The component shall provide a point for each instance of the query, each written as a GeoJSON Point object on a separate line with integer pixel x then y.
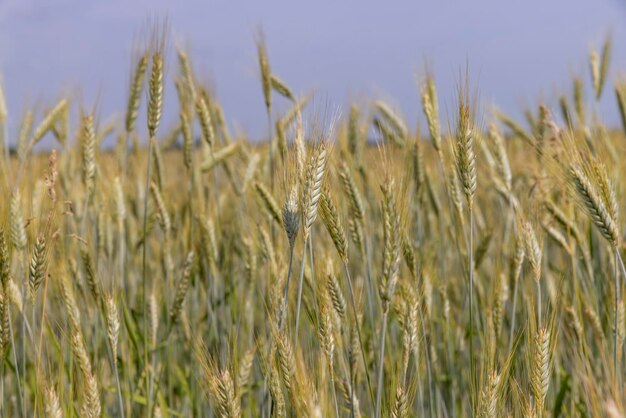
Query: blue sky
{"type": "Point", "coordinates": [517, 51]}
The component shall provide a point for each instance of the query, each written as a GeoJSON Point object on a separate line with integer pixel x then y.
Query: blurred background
{"type": "Point", "coordinates": [516, 52]}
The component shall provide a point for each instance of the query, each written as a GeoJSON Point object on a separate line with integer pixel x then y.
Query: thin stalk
{"type": "Point", "coordinates": [317, 315]}
{"type": "Point", "coordinates": [282, 316]}
{"type": "Point", "coordinates": [332, 383]}
{"type": "Point", "coordinates": [119, 390]}
{"type": "Point", "coordinates": [300, 290]}
{"type": "Point", "coordinates": [471, 300]}
{"type": "Point", "coordinates": [270, 138]}
{"type": "Point", "coordinates": [617, 300]}
{"type": "Point", "coordinates": [515, 279]}
{"type": "Point", "coordinates": [35, 351]}
{"type": "Point", "coordinates": [431, 398]}
{"type": "Point", "coordinates": [144, 272]}
{"type": "Point", "coordinates": [283, 309]}
{"type": "Point", "coordinates": [352, 382]}
{"type": "Point", "coordinates": [121, 256]}
{"type": "Point", "coordinates": [23, 341]}
{"type": "Point", "coordinates": [381, 357]}
{"type": "Point", "coordinates": [17, 370]}
{"type": "Point", "coordinates": [539, 303]}
{"type": "Point", "coordinates": [370, 285]}
{"type": "Point", "coordinates": [114, 367]}
{"type": "Point", "coordinates": [2, 389]}
{"type": "Point", "coordinates": [358, 331]}
{"type": "Point", "coordinates": [621, 262]}
{"type": "Point", "coordinates": [513, 311]}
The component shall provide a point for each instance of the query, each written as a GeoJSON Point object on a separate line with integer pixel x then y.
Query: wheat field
{"type": "Point", "coordinates": [348, 267]}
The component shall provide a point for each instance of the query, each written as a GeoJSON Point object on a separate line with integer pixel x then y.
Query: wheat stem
{"type": "Point", "coordinates": [285, 304]}
{"type": "Point", "coordinates": [358, 330]}
{"type": "Point", "coordinates": [381, 358]}
{"type": "Point", "coordinates": [300, 282]}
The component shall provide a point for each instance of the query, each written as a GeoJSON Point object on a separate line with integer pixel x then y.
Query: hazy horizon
{"type": "Point", "coordinates": [516, 53]}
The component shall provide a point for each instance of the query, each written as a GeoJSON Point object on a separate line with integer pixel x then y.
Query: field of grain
{"type": "Point", "coordinates": [472, 269]}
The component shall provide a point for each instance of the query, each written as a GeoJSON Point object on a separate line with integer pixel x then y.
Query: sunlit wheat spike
{"type": "Point", "coordinates": [187, 131]}
{"type": "Point", "coordinates": [90, 274]}
{"type": "Point", "coordinates": [18, 231]}
{"type": "Point", "coordinates": [113, 324]}
{"type": "Point", "coordinates": [291, 216]}
{"type": "Point", "coordinates": [330, 217]}
{"type": "Point", "coordinates": [354, 133]}
{"type": "Point", "coordinates": [80, 352]}
{"type": "Point", "coordinates": [38, 264]}
{"type": "Point", "coordinates": [431, 111]}
{"type": "Point", "coordinates": [204, 116]}
{"type": "Point", "coordinates": [92, 407]}
{"type": "Point", "coordinates": [417, 165]}
{"type": "Point", "coordinates": [48, 121]}
{"type": "Point", "coordinates": [408, 315]}
{"type": "Point", "coordinates": [266, 74]}
{"type": "Point", "coordinates": [604, 65]}
{"type": "Point", "coordinates": [579, 101]}
{"type": "Point", "coordinates": [541, 367]}
{"type": "Point", "coordinates": [357, 209]}
{"type": "Point", "coordinates": [22, 140]}
{"type": "Point", "coordinates": [502, 159]}
{"type": "Point", "coordinates": [182, 287]}
{"type": "Point", "coordinates": [533, 250]}
{"type": "Point", "coordinates": [277, 393]}
{"type": "Point", "coordinates": [336, 294]}
{"type": "Point", "coordinates": [134, 93]}
{"type": "Point", "coordinates": [326, 335]}
{"type": "Point", "coordinates": [391, 243]}
{"type": "Point", "coordinates": [155, 102]}
{"type": "Point", "coordinates": [488, 404]}
{"type": "Point", "coordinates": [52, 406]}
{"type": "Point", "coordinates": [186, 72]}
{"type": "Point", "coordinates": [401, 404]}
{"type": "Point", "coordinates": [408, 252]}
{"type": "Point", "coordinates": [312, 189]}
{"type": "Point", "coordinates": [69, 301]}
{"type": "Point", "coordinates": [88, 153]}
{"type": "Point", "coordinates": [594, 205]}
{"type": "Point", "coordinates": [594, 67]}
{"type": "Point", "coordinates": [281, 138]}
{"type": "Point", "coordinates": [163, 215]}
{"type": "Point", "coordinates": [606, 189]}
{"type": "Point", "coordinates": [599, 67]}
{"type": "Point", "coordinates": [287, 361]}
{"type": "Point", "coordinates": [245, 368]}
{"type": "Point", "coordinates": [281, 88]}
{"type": "Point", "coordinates": [61, 128]}
{"type": "Point", "coordinates": [464, 151]}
